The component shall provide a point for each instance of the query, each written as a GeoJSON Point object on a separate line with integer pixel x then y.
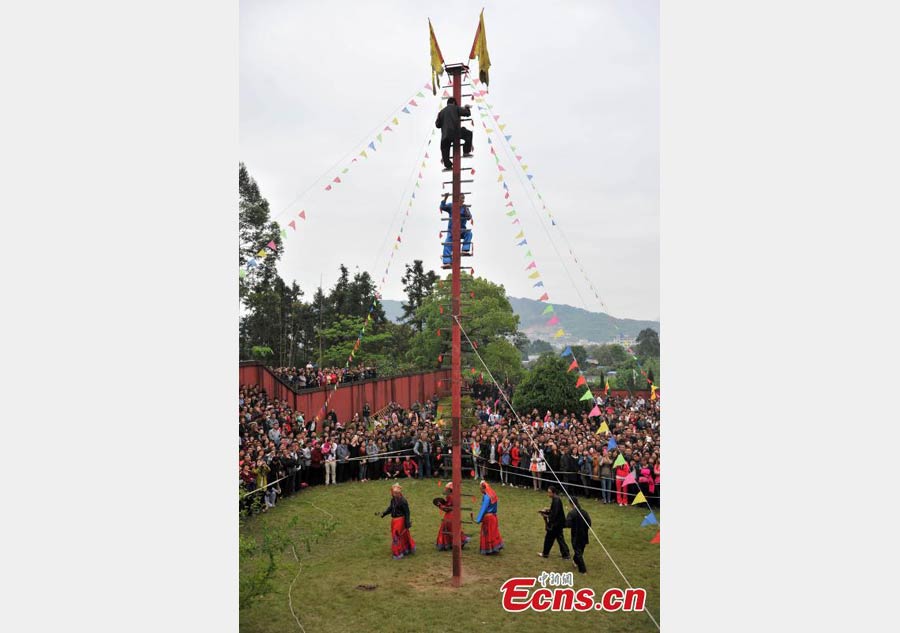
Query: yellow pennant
{"type": "Point", "coordinates": [639, 499]}
{"type": "Point", "coordinates": [559, 333]}
{"type": "Point", "coordinates": [534, 275]}
{"type": "Point", "coordinates": [604, 428]}
{"type": "Point", "coordinates": [500, 178]}
{"type": "Point", "coordinates": [520, 235]}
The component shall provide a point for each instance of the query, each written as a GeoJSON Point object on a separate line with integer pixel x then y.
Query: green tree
{"type": "Point", "coordinates": [255, 231]}
{"type": "Point", "coordinates": [504, 360]}
{"type": "Point", "coordinates": [487, 318]}
{"type": "Point", "coordinates": [647, 344]}
{"type": "Point", "coordinates": [539, 346]}
{"type": "Point", "coordinates": [609, 355]}
{"type": "Point", "coordinates": [547, 385]}
{"type": "Point", "coordinates": [418, 285]}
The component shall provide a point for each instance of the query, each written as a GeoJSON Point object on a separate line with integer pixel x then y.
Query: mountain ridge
{"type": "Point", "coordinates": [580, 326]}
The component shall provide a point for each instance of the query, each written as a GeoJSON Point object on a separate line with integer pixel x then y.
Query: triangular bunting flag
{"type": "Point", "coordinates": [650, 519]}
{"type": "Point", "coordinates": [604, 427]}
{"type": "Point", "coordinates": [534, 275]}
{"type": "Point", "coordinates": [559, 333]}
{"type": "Point", "coordinates": [293, 224]}
{"type": "Point", "coordinates": [405, 109]}
{"type": "Point", "coordinates": [413, 103]}
{"type": "Point", "coordinates": [553, 321]}
{"type": "Point", "coordinates": [272, 245]}
{"type": "Point", "coordinates": [548, 310]}
{"type": "Point", "coordinates": [574, 365]}
{"type": "Point", "coordinates": [372, 146]}
{"type": "Point", "coordinates": [639, 498]}
{"type": "Point", "coordinates": [327, 187]}
{"type": "Point", "coordinates": [581, 381]}
{"type": "Point", "coordinates": [612, 443]}
{"type": "Point", "coordinates": [595, 412]}
{"type": "Point", "coordinates": [531, 265]}
{"type": "Point", "coordinates": [395, 121]}
{"type": "Point", "coordinates": [546, 297]}
{"type": "Point", "coordinates": [302, 214]}
{"type": "Point", "coordinates": [619, 460]}
{"type": "Point", "coordinates": [655, 539]}
{"type": "Point", "coordinates": [629, 479]}
{"type": "Point", "coordinates": [587, 395]}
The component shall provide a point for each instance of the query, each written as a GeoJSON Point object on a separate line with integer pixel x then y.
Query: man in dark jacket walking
{"type": "Point", "coordinates": [579, 521]}
{"type": "Point", "coordinates": [448, 120]}
{"type": "Point", "coordinates": [555, 522]}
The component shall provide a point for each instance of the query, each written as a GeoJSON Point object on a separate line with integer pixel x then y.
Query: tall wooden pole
{"type": "Point", "coordinates": [456, 366]}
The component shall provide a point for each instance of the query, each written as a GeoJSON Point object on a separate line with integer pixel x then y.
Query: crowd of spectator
{"type": "Point", "coordinates": [313, 377]}
{"type": "Point", "coordinates": [281, 451]}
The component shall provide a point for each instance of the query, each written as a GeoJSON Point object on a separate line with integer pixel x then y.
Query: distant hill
{"type": "Point", "coordinates": [581, 326]}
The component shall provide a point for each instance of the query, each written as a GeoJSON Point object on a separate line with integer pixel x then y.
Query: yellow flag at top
{"type": "Point", "coordinates": [479, 50]}
{"type": "Point", "coordinates": [437, 60]}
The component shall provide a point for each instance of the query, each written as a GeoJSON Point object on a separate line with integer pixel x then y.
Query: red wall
{"type": "Point", "coordinates": [350, 397]}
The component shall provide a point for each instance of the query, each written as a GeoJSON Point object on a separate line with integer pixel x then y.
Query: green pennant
{"type": "Point", "coordinates": [528, 254]}
{"type": "Point", "coordinates": [587, 395]}
{"type": "Point", "coordinates": [242, 273]}
{"type": "Point", "coordinates": [619, 460]}
{"type": "Point", "coordinates": [548, 309]}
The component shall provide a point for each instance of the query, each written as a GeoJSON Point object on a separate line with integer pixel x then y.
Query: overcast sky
{"type": "Point", "coordinates": [576, 83]}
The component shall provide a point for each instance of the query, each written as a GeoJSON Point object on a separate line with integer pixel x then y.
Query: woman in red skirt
{"type": "Point", "coordinates": [402, 542]}
{"type": "Point", "coordinates": [491, 541]}
{"type": "Point", "coordinates": [445, 532]}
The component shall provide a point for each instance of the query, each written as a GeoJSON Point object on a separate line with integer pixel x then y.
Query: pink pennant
{"type": "Point", "coordinates": [506, 195]}
{"type": "Point", "coordinates": [518, 157]}
{"type": "Point", "coordinates": [412, 102]}
{"type": "Point", "coordinates": [629, 479]}
{"type": "Point", "coordinates": [473, 172]}
{"type": "Point", "coordinates": [531, 265]}
{"type": "Point", "coordinates": [509, 204]}
{"type": "Point", "coordinates": [336, 179]}
{"type": "Point", "coordinates": [516, 221]}
{"type": "Point", "coordinates": [354, 160]}
{"type": "Point", "coordinates": [387, 128]}
{"type": "Point", "coordinates": [428, 86]}
{"type": "Point", "coordinates": [501, 167]}
{"type": "Point", "coordinates": [272, 245]}
{"type": "Point", "coordinates": [553, 321]}
{"type": "Point", "coordinates": [328, 188]}
{"type": "Point", "coordinates": [302, 214]}
{"type": "Point", "coordinates": [544, 297]}
{"type": "Point", "coordinates": [493, 152]}
{"type": "Point", "coordinates": [293, 224]}
{"type": "Point", "coordinates": [594, 412]}
{"type": "Point", "coordinates": [496, 117]}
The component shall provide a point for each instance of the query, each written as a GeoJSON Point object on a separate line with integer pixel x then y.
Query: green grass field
{"type": "Point", "coordinates": [414, 594]}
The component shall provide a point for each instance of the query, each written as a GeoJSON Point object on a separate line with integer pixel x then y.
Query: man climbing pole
{"type": "Point", "coordinates": [448, 120]}
{"type": "Point", "coordinates": [464, 234]}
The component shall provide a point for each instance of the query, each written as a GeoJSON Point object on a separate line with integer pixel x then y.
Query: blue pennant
{"type": "Point", "coordinates": [612, 443]}
{"type": "Point", "coordinates": [372, 146]}
{"type": "Point", "coordinates": [405, 109]}
{"type": "Point", "coordinates": [539, 284]}
{"type": "Point", "coordinates": [567, 351]}
{"type": "Point", "coordinates": [522, 243]}
{"type": "Point", "coordinates": [650, 519]}
{"type": "Point", "coordinates": [508, 136]}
